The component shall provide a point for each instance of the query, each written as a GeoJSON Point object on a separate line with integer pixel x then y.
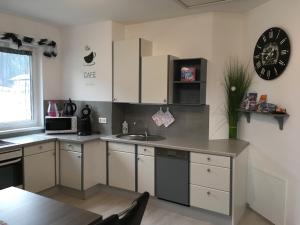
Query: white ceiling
{"type": "Point", "coordinates": [74, 12]}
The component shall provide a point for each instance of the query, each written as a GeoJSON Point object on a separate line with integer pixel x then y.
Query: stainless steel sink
{"type": "Point", "coordinates": [140, 137]}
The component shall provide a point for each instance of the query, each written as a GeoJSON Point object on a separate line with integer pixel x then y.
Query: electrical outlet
{"type": "Point", "coordinates": [102, 120]}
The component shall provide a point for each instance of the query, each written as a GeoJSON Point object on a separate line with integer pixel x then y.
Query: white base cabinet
{"type": "Point", "coordinates": [70, 169]}
{"type": "Point", "coordinates": [82, 166]}
{"type": "Point", "coordinates": [210, 182]}
{"type": "Point", "coordinates": [121, 166]}
{"type": "Point", "coordinates": [210, 199]}
{"type": "Point", "coordinates": [39, 167]}
{"type": "Point", "coordinates": [146, 174]}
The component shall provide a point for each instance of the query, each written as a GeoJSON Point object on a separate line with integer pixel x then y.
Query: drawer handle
{"type": "Point", "coordinates": [208, 193]}
{"type": "Point", "coordinates": [145, 149]}
{"type": "Point", "coordinates": [79, 156]}
{"type": "Point", "coordinates": [208, 159]}
{"type": "Point", "coordinates": [208, 170]}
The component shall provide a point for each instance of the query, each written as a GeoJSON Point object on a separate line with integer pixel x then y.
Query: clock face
{"type": "Point", "coordinates": [272, 53]}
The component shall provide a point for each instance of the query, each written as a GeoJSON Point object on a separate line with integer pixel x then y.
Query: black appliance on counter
{"type": "Point", "coordinates": [172, 175]}
{"type": "Point", "coordinates": [84, 122]}
{"type": "Point", "coordinates": [69, 108]}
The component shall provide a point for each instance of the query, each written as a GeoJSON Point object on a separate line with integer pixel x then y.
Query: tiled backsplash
{"type": "Point", "coordinates": [190, 121]}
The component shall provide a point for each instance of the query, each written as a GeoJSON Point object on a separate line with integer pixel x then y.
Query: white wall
{"type": "Point", "coordinates": [98, 37]}
{"type": "Point", "coordinates": [214, 36]}
{"type": "Point", "coordinates": [51, 67]}
{"type": "Point", "coordinates": [273, 151]}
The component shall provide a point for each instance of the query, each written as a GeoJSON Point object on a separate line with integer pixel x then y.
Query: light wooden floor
{"type": "Point", "coordinates": [158, 212]}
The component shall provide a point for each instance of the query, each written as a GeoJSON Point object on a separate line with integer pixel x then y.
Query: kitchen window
{"type": "Point", "coordinates": [19, 89]}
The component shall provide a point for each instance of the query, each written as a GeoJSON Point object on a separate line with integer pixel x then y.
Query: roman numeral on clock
{"type": "Point", "coordinates": [282, 41]}
{"type": "Point", "coordinates": [268, 74]}
{"type": "Point", "coordinates": [258, 64]}
{"type": "Point", "coordinates": [271, 34]}
{"type": "Point", "coordinates": [281, 63]}
{"type": "Point", "coordinates": [275, 70]}
{"type": "Point", "coordinates": [284, 52]}
{"type": "Point", "coordinates": [264, 38]}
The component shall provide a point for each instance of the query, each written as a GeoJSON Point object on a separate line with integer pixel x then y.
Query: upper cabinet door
{"type": "Point", "coordinates": [155, 79]}
{"type": "Point", "coordinates": [126, 60]}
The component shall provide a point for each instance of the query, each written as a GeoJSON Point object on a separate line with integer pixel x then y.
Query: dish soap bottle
{"type": "Point", "coordinates": [125, 127]}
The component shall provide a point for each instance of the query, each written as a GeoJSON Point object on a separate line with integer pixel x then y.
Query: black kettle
{"type": "Point", "coordinates": [70, 108]}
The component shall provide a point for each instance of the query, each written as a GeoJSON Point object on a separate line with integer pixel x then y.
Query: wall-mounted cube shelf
{"type": "Point", "coordinates": [279, 117]}
{"type": "Point", "coordinates": [189, 92]}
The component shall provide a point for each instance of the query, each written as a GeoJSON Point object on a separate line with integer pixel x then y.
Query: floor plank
{"type": "Point", "coordinates": [158, 212]}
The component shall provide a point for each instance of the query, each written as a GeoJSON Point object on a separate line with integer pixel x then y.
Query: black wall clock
{"type": "Point", "coordinates": [272, 53]}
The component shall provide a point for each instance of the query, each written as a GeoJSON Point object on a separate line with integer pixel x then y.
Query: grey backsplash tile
{"type": "Point", "coordinates": [191, 121]}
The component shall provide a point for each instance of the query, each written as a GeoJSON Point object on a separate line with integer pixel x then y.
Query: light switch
{"type": "Point", "coordinates": [102, 120]}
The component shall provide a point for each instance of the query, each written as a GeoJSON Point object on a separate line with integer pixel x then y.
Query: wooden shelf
{"type": "Point", "coordinates": [279, 117]}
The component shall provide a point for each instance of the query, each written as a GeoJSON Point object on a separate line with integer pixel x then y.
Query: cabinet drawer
{"type": "Point", "coordinates": [208, 159]}
{"type": "Point", "coordinates": [70, 147]}
{"type": "Point", "coordinates": [210, 199]}
{"type": "Point", "coordinates": [210, 176]}
{"type": "Point", "coordinates": [121, 147]}
{"type": "Point", "coordinates": [145, 150]}
{"type": "Point", "coordinates": [35, 149]}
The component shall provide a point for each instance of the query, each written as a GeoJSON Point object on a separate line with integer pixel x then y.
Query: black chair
{"type": "Point", "coordinates": [134, 214]}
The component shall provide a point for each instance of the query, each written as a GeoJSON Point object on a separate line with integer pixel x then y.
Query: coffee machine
{"type": "Point", "coordinates": [84, 122]}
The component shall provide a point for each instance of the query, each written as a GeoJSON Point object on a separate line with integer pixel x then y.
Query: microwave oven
{"type": "Point", "coordinates": [60, 125]}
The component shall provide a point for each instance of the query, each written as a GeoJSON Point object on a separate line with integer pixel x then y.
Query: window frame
{"type": "Point", "coordinates": [36, 96]}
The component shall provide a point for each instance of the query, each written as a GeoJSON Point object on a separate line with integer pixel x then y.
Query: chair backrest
{"type": "Point", "coordinates": [134, 214]}
{"type": "Point", "coordinates": [111, 220]}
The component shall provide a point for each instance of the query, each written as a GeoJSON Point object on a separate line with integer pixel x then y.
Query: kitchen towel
{"type": "Point", "coordinates": [168, 118]}
{"type": "Point", "coordinates": [158, 117]}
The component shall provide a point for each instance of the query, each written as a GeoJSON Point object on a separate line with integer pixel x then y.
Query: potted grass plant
{"type": "Point", "coordinates": [237, 81]}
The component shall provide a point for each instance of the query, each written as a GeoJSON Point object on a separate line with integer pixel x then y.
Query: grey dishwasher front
{"type": "Point", "coordinates": [172, 175]}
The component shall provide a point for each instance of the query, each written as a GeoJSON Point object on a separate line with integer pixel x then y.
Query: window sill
{"type": "Point", "coordinates": [21, 131]}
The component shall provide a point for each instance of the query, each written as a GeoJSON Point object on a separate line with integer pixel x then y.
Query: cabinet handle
{"type": "Point", "coordinates": [208, 159]}
{"type": "Point", "coordinates": [114, 99]}
{"type": "Point", "coordinates": [79, 156]}
{"type": "Point", "coordinates": [145, 149]}
{"type": "Point", "coordinates": [138, 158]}
{"type": "Point", "coordinates": [165, 100]}
{"type": "Point", "coordinates": [208, 193]}
{"type": "Point", "coordinates": [208, 170]}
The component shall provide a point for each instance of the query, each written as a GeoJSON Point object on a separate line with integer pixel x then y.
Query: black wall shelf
{"type": "Point", "coordinates": [189, 92]}
{"type": "Point", "coordinates": [279, 117]}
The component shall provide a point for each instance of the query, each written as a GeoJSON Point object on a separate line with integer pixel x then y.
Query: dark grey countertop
{"type": "Point", "coordinates": [26, 140]}
{"type": "Point", "coordinates": [223, 147]}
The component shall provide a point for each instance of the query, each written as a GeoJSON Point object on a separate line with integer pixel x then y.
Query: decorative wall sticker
{"type": "Point", "coordinates": [89, 62]}
{"type": "Point", "coordinates": [89, 59]}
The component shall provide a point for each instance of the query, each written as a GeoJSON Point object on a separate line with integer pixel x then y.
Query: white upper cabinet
{"type": "Point", "coordinates": [156, 75]}
{"type": "Point", "coordinates": [127, 68]}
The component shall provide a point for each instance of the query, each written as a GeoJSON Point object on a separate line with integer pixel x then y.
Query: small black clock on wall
{"type": "Point", "coordinates": [272, 53]}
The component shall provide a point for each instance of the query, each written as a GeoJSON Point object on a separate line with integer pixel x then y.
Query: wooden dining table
{"type": "Point", "coordinates": [19, 207]}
